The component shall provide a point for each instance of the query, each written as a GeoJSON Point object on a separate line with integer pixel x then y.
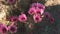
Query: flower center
{"type": "Point", "coordinates": [23, 18]}
{"type": "Point", "coordinates": [4, 30]}
{"type": "Point", "coordinates": [37, 18]}
{"type": "Point", "coordinates": [12, 29]}
{"type": "Point", "coordinates": [38, 12]}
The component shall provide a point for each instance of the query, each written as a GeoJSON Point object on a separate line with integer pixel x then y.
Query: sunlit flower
{"type": "Point", "coordinates": [37, 18]}
{"type": "Point", "coordinates": [39, 5]}
{"type": "Point", "coordinates": [22, 18]}
{"type": "Point", "coordinates": [31, 11]}
{"type": "Point", "coordinates": [12, 29]}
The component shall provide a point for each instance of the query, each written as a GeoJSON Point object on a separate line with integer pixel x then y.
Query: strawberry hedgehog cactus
{"type": "Point", "coordinates": [10, 23]}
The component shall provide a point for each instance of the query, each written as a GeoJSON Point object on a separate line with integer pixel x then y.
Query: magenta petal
{"type": "Point", "coordinates": [31, 11]}
{"type": "Point", "coordinates": [12, 29]}
{"type": "Point", "coordinates": [39, 5]}
{"type": "Point", "coordinates": [3, 29]}
{"type": "Point", "coordinates": [34, 5]}
{"type": "Point", "coordinates": [37, 18]}
{"type": "Point", "coordinates": [22, 18]}
{"type": "Point", "coordinates": [1, 25]}
{"type": "Point", "coordinates": [39, 11]}
{"type": "Point", "coordinates": [47, 15]}
{"type": "Point", "coordinates": [13, 19]}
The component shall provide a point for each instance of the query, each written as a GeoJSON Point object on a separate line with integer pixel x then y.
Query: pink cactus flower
{"type": "Point", "coordinates": [39, 11]}
{"type": "Point", "coordinates": [12, 28]}
{"type": "Point", "coordinates": [22, 18]}
{"type": "Point", "coordinates": [37, 18]}
{"type": "Point", "coordinates": [39, 5]}
{"type": "Point", "coordinates": [34, 5]}
{"type": "Point", "coordinates": [49, 17]}
{"type": "Point", "coordinates": [14, 19]}
{"type": "Point", "coordinates": [31, 11]}
{"type": "Point", "coordinates": [3, 29]}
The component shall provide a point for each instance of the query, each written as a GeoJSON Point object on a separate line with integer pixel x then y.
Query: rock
{"type": "Point", "coordinates": [52, 2]}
